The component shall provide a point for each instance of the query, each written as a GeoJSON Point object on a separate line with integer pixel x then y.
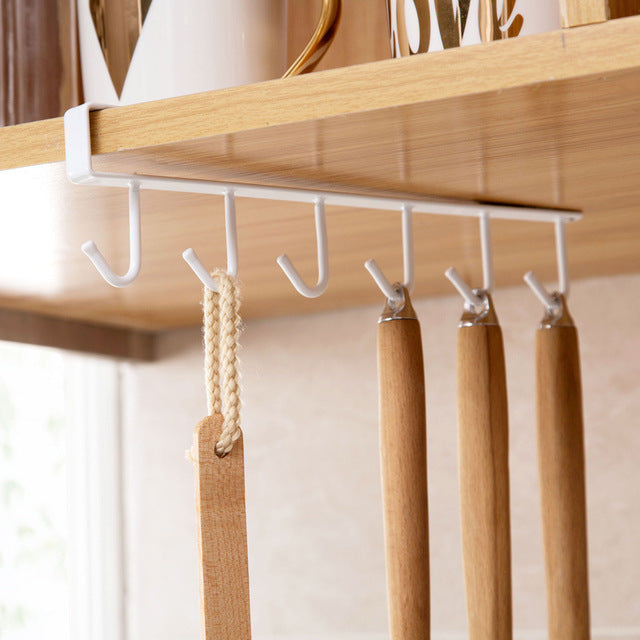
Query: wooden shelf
{"type": "Point", "coordinates": [551, 120]}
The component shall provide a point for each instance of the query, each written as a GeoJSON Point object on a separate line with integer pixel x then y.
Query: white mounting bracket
{"type": "Point", "coordinates": [80, 171]}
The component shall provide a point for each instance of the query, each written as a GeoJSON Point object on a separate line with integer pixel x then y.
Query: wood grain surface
{"type": "Point", "coordinates": [458, 72]}
{"type": "Point", "coordinates": [222, 536]}
{"type": "Point", "coordinates": [483, 443]}
{"type": "Point", "coordinates": [404, 477]}
{"type": "Point", "coordinates": [527, 120]}
{"type": "Point", "coordinates": [562, 481]}
{"type": "Point", "coordinates": [623, 8]}
{"type": "Point", "coordinates": [44, 331]}
{"type": "Point", "coordinates": [576, 13]}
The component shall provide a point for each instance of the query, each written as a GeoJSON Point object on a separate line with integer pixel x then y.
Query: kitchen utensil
{"type": "Point", "coordinates": [562, 475]}
{"type": "Point", "coordinates": [484, 474]}
{"type": "Point", "coordinates": [222, 535]}
{"type": "Point", "coordinates": [219, 465]}
{"type": "Point", "coordinates": [404, 470]}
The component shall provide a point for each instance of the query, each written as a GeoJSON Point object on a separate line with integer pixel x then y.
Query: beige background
{"type": "Point", "coordinates": [313, 495]}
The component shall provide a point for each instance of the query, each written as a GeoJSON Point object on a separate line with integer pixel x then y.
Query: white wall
{"type": "Point", "coordinates": [313, 495]}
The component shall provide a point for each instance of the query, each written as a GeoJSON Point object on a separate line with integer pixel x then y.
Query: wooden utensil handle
{"type": "Point", "coordinates": [404, 477]}
{"type": "Point", "coordinates": [222, 536]}
{"type": "Point", "coordinates": [562, 481]}
{"type": "Point", "coordinates": [484, 481]}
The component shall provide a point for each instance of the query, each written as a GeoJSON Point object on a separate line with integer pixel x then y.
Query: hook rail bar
{"type": "Point", "coordinates": [80, 171]}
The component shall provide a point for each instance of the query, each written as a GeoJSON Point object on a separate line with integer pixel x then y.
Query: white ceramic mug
{"type": "Point", "coordinates": [138, 50]}
{"type": "Point", "coordinates": [418, 26]}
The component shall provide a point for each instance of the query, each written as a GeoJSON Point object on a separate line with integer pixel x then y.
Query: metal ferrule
{"type": "Point", "coordinates": [558, 316]}
{"type": "Point", "coordinates": [402, 310]}
{"type": "Point", "coordinates": [485, 317]}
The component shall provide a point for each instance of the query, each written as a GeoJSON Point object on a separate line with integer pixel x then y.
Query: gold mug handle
{"type": "Point", "coordinates": [320, 41]}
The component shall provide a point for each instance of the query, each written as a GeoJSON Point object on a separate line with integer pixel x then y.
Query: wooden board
{"type": "Point", "coordinates": [44, 331]}
{"type": "Point", "coordinates": [550, 119]}
{"type": "Point", "coordinates": [576, 13]}
{"type": "Point", "coordinates": [222, 536]}
{"type": "Point", "coordinates": [460, 72]}
{"type": "Point", "coordinates": [623, 8]}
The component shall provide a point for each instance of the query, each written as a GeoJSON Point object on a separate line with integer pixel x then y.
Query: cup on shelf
{"type": "Point", "coordinates": [418, 26]}
{"type": "Point", "coordinates": [137, 50]}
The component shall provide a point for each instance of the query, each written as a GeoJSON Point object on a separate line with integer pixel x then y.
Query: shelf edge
{"type": "Point", "coordinates": [537, 59]}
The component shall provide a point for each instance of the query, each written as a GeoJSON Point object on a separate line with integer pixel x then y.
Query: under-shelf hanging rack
{"type": "Point", "coordinates": [80, 171]}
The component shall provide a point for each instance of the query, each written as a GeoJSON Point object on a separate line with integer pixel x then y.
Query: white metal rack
{"type": "Point", "coordinates": [80, 171]}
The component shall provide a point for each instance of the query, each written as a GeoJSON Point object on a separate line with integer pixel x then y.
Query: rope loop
{"type": "Point", "coordinates": [222, 327]}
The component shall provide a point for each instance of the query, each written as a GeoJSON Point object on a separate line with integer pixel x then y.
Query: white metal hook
{"type": "Point", "coordinates": [487, 252]}
{"type": "Point", "coordinates": [474, 301]}
{"type": "Point", "coordinates": [323, 258]}
{"type": "Point", "coordinates": [470, 296]}
{"type": "Point", "coordinates": [99, 262]}
{"type": "Point", "coordinates": [549, 301]}
{"type": "Point", "coordinates": [231, 233]}
{"type": "Point", "coordinates": [372, 267]}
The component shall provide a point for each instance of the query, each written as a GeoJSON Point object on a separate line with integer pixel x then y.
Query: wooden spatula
{"type": "Point", "coordinates": [484, 475]}
{"type": "Point", "coordinates": [404, 471]}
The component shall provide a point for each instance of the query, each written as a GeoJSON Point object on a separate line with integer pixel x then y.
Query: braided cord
{"type": "Point", "coordinates": [221, 341]}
